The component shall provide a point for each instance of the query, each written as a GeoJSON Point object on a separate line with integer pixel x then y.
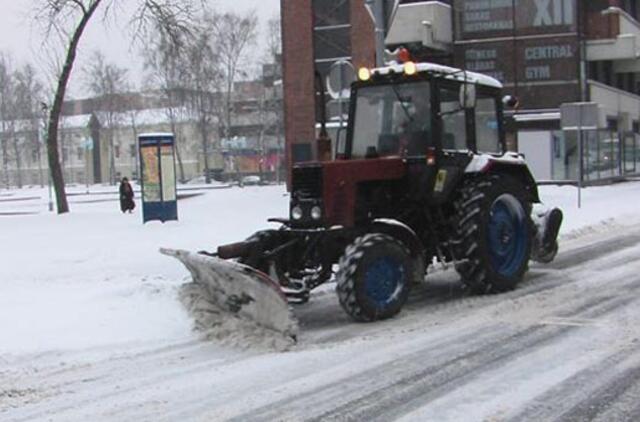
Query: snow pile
{"type": "Point", "coordinates": [600, 206]}
{"type": "Point", "coordinates": [229, 329]}
{"type": "Point", "coordinates": [236, 303]}
{"type": "Point", "coordinates": [93, 281]}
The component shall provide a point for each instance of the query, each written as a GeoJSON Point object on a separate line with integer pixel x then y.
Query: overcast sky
{"type": "Point", "coordinates": [23, 40]}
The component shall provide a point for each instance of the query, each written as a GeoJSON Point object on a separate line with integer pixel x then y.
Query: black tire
{"type": "Point", "coordinates": [495, 229]}
{"type": "Point", "coordinates": [374, 277]}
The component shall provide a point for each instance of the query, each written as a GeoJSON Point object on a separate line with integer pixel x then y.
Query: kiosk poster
{"type": "Point", "coordinates": [168, 173]}
{"type": "Point", "coordinates": [151, 174]}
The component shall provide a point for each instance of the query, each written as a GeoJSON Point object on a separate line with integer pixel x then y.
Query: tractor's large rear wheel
{"type": "Point", "coordinates": [374, 277]}
{"type": "Point", "coordinates": [495, 230]}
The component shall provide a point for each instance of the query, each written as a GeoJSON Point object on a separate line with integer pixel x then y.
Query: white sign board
{"type": "Point", "coordinates": [581, 116]}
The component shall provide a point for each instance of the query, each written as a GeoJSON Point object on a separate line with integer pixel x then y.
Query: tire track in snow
{"type": "Point", "coordinates": [593, 393]}
{"type": "Point", "coordinates": [414, 382]}
{"type": "Point", "coordinates": [431, 297]}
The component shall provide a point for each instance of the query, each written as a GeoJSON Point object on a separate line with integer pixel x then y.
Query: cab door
{"type": "Point", "coordinates": [455, 138]}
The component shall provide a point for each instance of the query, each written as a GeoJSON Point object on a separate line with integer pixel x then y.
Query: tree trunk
{"type": "Point", "coordinates": [178, 155]}
{"type": "Point", "coordinates": [39, 156]}
{"type": "Point", "coordinates": [205, 149]}
{"type": "Point", "coordinates": [112, 158]}
{"type": "Point", "coordinates": [5, 162]}
{"type": "Point", "coordinates": [174, 130]}
{"type": "Point", "coordinates": [54, 117]}
{"type": "Point", "coordinates": [16, 151]}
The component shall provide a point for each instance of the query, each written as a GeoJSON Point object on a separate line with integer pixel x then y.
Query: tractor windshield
{"type": "Point", "coordinates": [392, 119]}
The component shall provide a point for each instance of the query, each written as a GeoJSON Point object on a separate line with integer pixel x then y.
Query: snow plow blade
{"type": "Point", "coordinates": [240, 291]}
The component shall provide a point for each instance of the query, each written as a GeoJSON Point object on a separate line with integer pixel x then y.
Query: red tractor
{"type": "Point", "coordinates": [424, 175]}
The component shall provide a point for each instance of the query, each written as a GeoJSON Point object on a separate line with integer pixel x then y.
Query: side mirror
{"type": "Point", "coordinates": [510, 101]}
{"type": "Point", "coordinates": [467, 95]}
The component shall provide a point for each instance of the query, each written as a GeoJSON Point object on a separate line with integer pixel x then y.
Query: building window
{"type": "Point", "coordinates": [331, 13]}
{"type": "Point", "coordinates": [331, 33]}
{"type": "Point", "coordinates": [331, 41]}
{"type": "Point", "coordinates": [116, 151]}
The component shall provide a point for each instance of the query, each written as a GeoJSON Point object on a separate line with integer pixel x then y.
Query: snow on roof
{"type": "Point", "coordinates": [147, 117]}
{"type": "Point", "coordinates": [77, 121]}
{"type": "Point", "coordinates": [449, 72]}
{"type": "Point", "coordinates": [534, 117]}
{"type": "Point", "coordinates": [156, 135]}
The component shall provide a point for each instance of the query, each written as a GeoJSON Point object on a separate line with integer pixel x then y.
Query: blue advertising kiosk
{"type": "Point", "coordinates": [158, 177]}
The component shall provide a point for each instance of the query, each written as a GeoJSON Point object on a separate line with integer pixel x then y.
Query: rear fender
{"type": "Point", "coordinates": [511, 164]}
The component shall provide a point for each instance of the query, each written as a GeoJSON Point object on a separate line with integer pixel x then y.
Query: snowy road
{"type": "Point", "coordinates": [564, 346]}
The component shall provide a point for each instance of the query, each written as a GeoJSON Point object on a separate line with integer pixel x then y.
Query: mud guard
{"type": "Point", "coordinates": [240, 290]}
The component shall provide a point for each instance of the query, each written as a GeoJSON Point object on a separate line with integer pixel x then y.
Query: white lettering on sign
{"type": "Point", "coordinates": [487, 4]}
{"type": "Point", "coordinates": [553, 12]}
{"type": "Point", "coordinates": [487, 15]}
{"type": "Point", "coordinates": [476, 54]}
{"type": "Point", "coordinates": [548, 52]}
{"type": "Point", "coordinates": [477, 16]}
{"type": "Point", "coordinates": [483, 60]}
{"type": "Point", "coordinates": [480, 66]}
{"type": "Point", "coordinates": [538, 72]}
{"type": "Point", "coordinates": [488, 26]}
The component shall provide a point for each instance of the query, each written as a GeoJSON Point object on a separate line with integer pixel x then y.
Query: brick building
{"type": "Point", "coordinates": [546, 52]}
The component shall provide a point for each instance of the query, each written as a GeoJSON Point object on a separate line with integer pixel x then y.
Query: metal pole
{"type": "Point", "coordinates": [377, 6]}
{"type": "Point", "coordinates": [580, 156]}
{"type": "Point", "coordinates": [86, 164]}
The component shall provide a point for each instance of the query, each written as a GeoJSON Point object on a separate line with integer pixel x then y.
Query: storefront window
{"type": "Point", "coordinates": [565, 155]}
{"type": "Point", "coordinates": [629, 154]}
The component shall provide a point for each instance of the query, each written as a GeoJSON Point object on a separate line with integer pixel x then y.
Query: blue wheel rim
{"type": "Point", "coordinates": [384, 280]}
{"type": "Point", "coordinates": [507, 235]}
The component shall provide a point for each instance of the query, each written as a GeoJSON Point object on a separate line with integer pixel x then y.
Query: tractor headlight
{"type": "Point", "coordinates": [316, 213]}
{"type": "Point", "coordinates": [296, 213]}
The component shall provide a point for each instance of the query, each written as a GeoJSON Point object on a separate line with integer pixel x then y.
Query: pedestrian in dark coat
{"type": "Point", "coordinates": [126, 196]}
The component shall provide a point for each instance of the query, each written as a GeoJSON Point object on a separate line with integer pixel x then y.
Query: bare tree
{"type": "Point", "coordinates": [107, 82]}
{"type": "Point", "coordinates": [203, 80]}
{"type": "Point", "coordinates": [68, 19]}
{"type": "Point", "coordinates": [271, 112]}
{"type": "Point", "coordinates": [28, 100]}
{"type": "Point", "coordinates": [6, 113]}
{"type": "Point", "coordinates": [274, 39]}
{"type": "Point", "coordinates": [166, 64]}
{"type": "Point", "coordinates": [232, 35]}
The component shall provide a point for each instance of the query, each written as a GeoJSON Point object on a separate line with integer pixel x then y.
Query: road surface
{"type": "Point", "coordinates": [564, 346]}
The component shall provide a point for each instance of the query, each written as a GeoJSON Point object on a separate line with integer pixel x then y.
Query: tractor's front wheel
{"type": "Point", "coordinates": [495, 230]}
{"type": "Point", "coordinates": [374, 277]}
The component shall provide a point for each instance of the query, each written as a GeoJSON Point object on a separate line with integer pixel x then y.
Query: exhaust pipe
{"type": "Point", "coordinates": [236, 250]}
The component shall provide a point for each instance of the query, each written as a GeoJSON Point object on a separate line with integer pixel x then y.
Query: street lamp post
{"type": "Point", "coordinates": [45, 113]}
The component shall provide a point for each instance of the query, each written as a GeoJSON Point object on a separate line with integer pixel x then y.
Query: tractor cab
{"type": "Point", "coordinates": [413, 131]}
{"type": "Point", "coordinates": [423, 110]}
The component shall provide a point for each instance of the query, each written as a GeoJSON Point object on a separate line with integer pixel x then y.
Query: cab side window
{"type": "Point", "coordinates": [454, 127]}
{"type": "Point", "coordinates": [487, 134]}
